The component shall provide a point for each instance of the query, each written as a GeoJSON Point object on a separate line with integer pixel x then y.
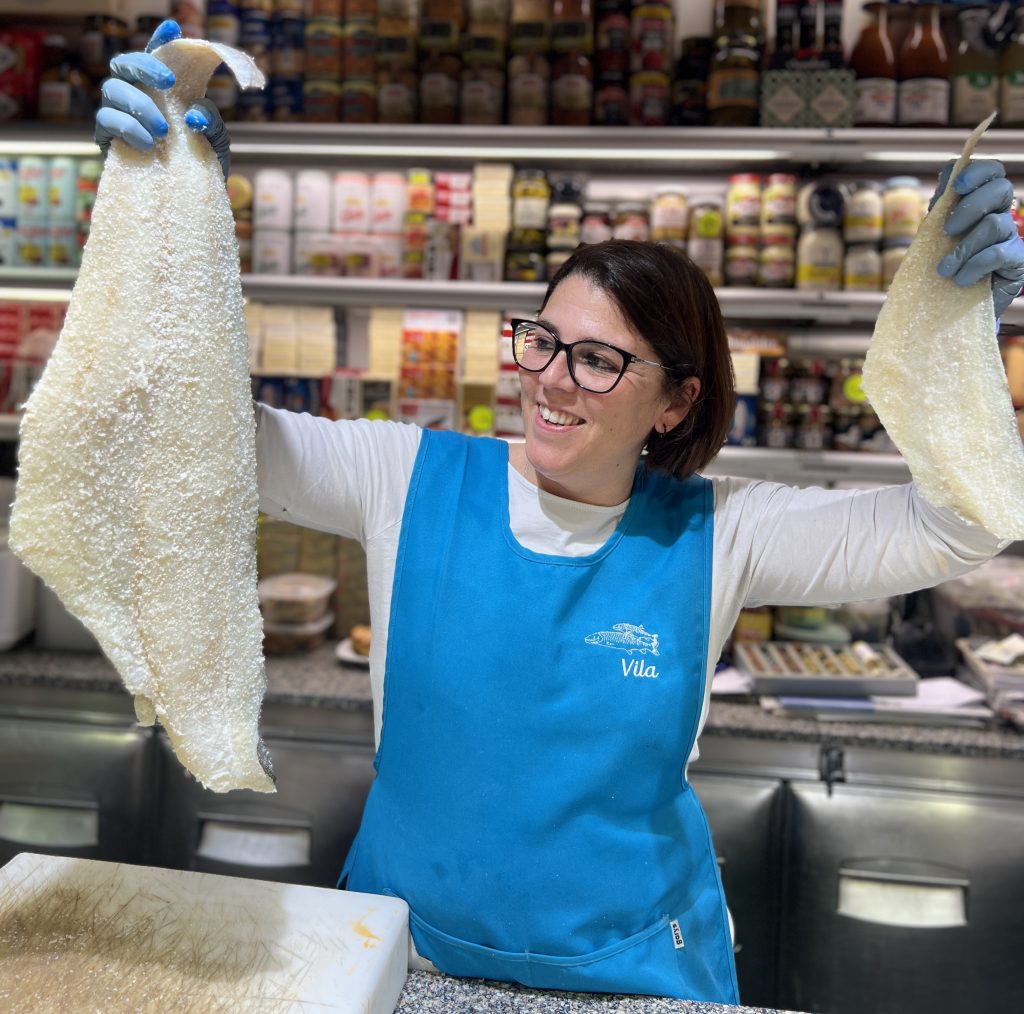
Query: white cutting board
{"type": "Point", "coordinates": [77, 934]}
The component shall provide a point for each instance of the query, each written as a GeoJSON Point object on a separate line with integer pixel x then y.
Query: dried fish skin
{"type": "Point", "coordinates": [934, 375]}
{"type": "Point", "coordinates": [136, 498]}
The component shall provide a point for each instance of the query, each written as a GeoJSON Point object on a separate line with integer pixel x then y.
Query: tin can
{"type": "Point", "coordinates": [321, 101]}
{"type": "Point", "coordinates": [33, 189]}
{"type": "Point", "coordinates": [62, 245]}
{"type": "Point", "coordinates": [323, 50]}
{"type": "Point", "coordinates": [61, 189]}
{"type": "Point", "coordinates": [286, 98]}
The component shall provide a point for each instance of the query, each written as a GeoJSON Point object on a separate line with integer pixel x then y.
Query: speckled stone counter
{"type": "Point", "coordinates": [317, 680]}
{"type": "Point", "coordinates": [426, 993]}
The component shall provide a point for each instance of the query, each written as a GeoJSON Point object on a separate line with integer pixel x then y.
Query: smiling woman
{"type": "Point", "coordinates": [667, 388]}
{"type": "Point", "coordinates": [560, 605]}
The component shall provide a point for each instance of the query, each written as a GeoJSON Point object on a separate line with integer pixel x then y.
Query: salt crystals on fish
{"type": "Point", "coordinates": [136, 498]}
{"type": "Point", "coordinates": [958, 433]}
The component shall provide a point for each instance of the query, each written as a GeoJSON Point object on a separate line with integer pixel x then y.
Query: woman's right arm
{"type": "Point", "coordinates": [348, 477]}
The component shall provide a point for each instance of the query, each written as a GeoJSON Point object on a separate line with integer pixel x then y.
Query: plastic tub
{"type": "Point", "coordinates": [282, 637]}
{"type": "Point", "coordinates": [295, 598]}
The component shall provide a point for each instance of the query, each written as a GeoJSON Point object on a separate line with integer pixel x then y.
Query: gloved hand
{"type": "Point", "coordinates": [989, 240]}
{"type": "Point", "coordinates": [129, 113]}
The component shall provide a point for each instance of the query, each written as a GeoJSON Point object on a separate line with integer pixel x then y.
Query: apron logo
{"type": "Point", "coordinates": [629, 638]}
{"type": "Point", "coordinates": [677, 934]}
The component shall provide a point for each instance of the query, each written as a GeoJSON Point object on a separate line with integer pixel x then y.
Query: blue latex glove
{"type": "Point", "coordinates": [129, 113]}
{"type": "Point", "coordinates": [989, 242]}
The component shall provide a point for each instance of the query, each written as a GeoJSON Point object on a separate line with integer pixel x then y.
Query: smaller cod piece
{"type": "Point", "coordinates": [939, 339]}
{"type": "Point", "coordinates": [136, 498]}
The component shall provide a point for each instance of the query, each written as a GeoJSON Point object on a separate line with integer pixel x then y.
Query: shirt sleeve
{"type": "Point", "coordinates": [791, 546]}
{"type": "Point", "coordinates": [348, 477]}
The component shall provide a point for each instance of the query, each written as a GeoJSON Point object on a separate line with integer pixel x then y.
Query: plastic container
{"type": "Point", "coordinates": [284, 637]}
{"type": "Point", "coordinates": [295, 598]}
{"type": "Point", "coordinates": [17, 598]}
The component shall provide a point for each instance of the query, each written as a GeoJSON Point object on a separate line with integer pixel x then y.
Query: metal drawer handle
{"type": "Point", "coordinates": [254, 843]}
{"type": "Point", "coordinates": [49, 825]}
{"type": "Point", "coordinates": [897, 892]}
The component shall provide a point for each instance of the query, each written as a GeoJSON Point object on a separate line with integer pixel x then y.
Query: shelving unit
{"type": "Point", "coordinates": [638, 152]}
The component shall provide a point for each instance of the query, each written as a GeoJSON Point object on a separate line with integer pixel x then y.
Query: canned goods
{"type": "Point", "coordinates": [224, 28]}
{"type": "Point", "coordinates": [222, 91]}
{"type": "Point", "coordinates": [321, 101]}
{"type": "Point", "coordinates": [8, 188]}
{"type": "Point", "coordinates": [323, 50]}
{"type": "Point", "coordinates": [271, 252]}
{"type": "Point", "coordinates": [776, 266]}
{"type": "Point", "coordinates": [33, 189]}
{"type": "Point", "coordinates": [813, 431]}
{"type": "Point", "coordinates": [62, 245]}
{"type": "Point", "coordinates": [777, 427]}
{"type": "Point", "coordinates": [61, 189]}
{"type": "Point", "coordinates": [31, 245]}
{"type": "Point", "coordinates": [358, 102]}
{"type": "Point", "coordinates": [273, 200]}
{"type": "Point", "coordinates": [286, 98]}
{"type": "Point", "coordinates": [312, 200]}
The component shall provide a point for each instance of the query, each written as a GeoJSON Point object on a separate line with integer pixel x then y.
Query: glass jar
{"type": "Point", "coordinates": [777, 427]}
{"type": "Point", "coordinates": [901, 208]}
{"type": "Point", "coordinates": [528, 90]}
{"type": "Point", "coordinates": [531, 195]}
{"type": "Point", "coordinates": [863, 214]}
{"type": "Point", "coordinates": [778, 200]}
{"type": "Point", "coordinates": [862, 268]}
{"type": "Point", "coordinates": [669, 213]}
{"type": "Point", "coordinates": [774, 382]}
{"type": "Point", "coordinates": [819, 259]}
{"type": "Point", "coordinates": [596, 226]}
{"type": "Point", "coordinates": [741, 260]}
{"type": "Point", "coordinates": [564, 226]}
{"type": "Point", "coordinates": [704, 243]}
{"type": "Point", "coordinates": [743, 203]}
{"type": "Point", "coordinates": [893, 253]}
{"type": "Point", "coordinates": [777, 265]}
{"type": "Point", "coordinates": [630, 221]}
{"type": "Point", "coordinates": [808, 384]}
{"type": "Point", "coordinates": [572, 89]}
{"type": "Point", "coordinates": [813, 429]}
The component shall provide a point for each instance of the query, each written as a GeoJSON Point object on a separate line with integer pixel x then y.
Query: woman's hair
{"type": "Point", "coordinates": [670, 303]}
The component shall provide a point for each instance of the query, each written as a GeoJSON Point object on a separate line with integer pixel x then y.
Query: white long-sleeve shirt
{"type": "Point", "coordinates": [773, 544]}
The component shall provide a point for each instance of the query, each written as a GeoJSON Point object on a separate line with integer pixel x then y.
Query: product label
{"type": "Point", "coordinates": [974, 97]}
{"type": "Point", "coordinates": [875, 101]}
{"type": "Point", "coordinates": [571, 92]}
{"type": "Point", "coordinates": [528, 91]}
{"type": "Point", "coordinates": [734, 87]}
{"type": "Point", "coordinates": [1011, 97]}
{"type": "Point", "coordinates": [924, 100]}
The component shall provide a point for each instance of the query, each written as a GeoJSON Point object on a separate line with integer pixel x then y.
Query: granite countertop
{"type": "Point", "coordinates": [318, 680]}
{"type": "Point", "coordinates": [429, 993]}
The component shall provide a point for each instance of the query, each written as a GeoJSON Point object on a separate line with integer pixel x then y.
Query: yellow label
{"type": "Point", "coordinates": [852, 389]}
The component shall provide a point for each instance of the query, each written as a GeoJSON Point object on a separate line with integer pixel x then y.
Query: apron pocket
{"type": "Point", "coordinates": [645, 962]}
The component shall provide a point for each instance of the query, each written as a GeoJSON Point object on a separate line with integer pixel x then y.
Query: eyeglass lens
{"type": "Point", "coordinates": [595, 367]}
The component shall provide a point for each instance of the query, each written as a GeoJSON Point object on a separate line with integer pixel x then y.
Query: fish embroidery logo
{"type": "Point", "coordinates": [626, 637]}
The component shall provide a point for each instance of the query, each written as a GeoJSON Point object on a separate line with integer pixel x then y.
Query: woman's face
{"type": "Point", "coordinates": [580, 445]}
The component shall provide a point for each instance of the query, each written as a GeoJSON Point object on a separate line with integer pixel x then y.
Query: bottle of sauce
{"type": "Point", "coordinates": [690, 84]}
{"type": "Point", "coordinates": [873, 60]}
{"type": "Point", "coordinates": [924, 72]}
{"type": "Point", "coordinates": [973, 70]}
{"type": "Point", "coordinates": [572, 65]}
{"type": "Point", "coordinates": [832, 33]}
{"type": "Point", "coordinates": [787, 17]}
{"type": "Point", "coordinates": [1011, 75]}
{"type": "Point", "coordinates": [734, 76]}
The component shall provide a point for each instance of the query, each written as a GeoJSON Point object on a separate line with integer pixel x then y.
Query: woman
{"type": "Point", "coordinates": [547, 614]}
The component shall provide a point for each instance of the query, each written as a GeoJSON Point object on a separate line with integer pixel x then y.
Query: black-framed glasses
{"type": "Point", "coordinates": [594, 366]}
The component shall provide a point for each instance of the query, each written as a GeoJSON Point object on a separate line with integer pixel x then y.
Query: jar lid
{"type": "Point", "coordinates": [630, 207]}
{"type": "Point", "coordinates": [597, 207]}
{"type": "Point", "coordinates": [902, 181]}
{"type": "Point", "coordinates": [670, 189]}
{"type": "Point", "coordinates": [563, 209]}
{"type": "Point", "coordinates": [744, 178]}
{"type": "Point", "coordinates": [872, 185]}
{"type": "Point", "coordinates": [781, 178]}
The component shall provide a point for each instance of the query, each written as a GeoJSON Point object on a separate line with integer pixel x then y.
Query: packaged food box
{"type": "Point", "coordinates": [283, 637]}
{"type": "Point", "coordinates": [295, 597]}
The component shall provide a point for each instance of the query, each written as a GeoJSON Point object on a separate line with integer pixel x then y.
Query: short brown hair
{"type": "Point", "coordinates": [670, 303]}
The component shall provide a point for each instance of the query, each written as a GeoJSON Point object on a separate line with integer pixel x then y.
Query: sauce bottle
{"type": "Point", "coordinates": [1011, 75]}
{"type": "Point", "coordinates": [734, 76]}
{"type": "Point", "coordinates": [973, 70]}
{"type": "Point", "coordinates": [873, 60]}
{"type": "Point", "coordinates": [923, 97]}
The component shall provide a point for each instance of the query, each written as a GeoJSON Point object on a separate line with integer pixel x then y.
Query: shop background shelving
{"type": "Point", "coordinates": [835, 323]}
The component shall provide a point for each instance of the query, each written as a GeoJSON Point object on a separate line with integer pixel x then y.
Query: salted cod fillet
{"type": "Point", "coordinates": [136, 497]}
{"type": "Point", "coordinates": [934, 375]}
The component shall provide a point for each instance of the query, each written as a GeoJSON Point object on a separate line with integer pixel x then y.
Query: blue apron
{"type": "Point", "coordinates": [531, 802]}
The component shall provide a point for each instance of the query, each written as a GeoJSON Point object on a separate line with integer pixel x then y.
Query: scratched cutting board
{"type": "Point", "coordinates": [77, 934]}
